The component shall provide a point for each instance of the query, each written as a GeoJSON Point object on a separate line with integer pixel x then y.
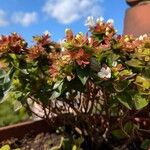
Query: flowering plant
{"type": "Point", "coordinates": [101, 74]}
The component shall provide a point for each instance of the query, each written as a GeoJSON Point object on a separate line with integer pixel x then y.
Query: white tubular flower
{"type": "Point", "coordinates": [114, 64]}
{"type": "Point", "coordinates": [69, 78]}
{"type": "Point", "coordinates": [79, 36]}
{"type": "Point", "coordinates": [142, 37]}
{"type": "Point", "coordinates": [90, 22]}
{"type": "Point", "coordinates": [90, 40]}
{"type": "Point", "coordinates": [99, 20]}
{"type": "Point", "coordinates": [145, 35]}
{"type": "Point", "coordinates": [105, 72]}
{"type": "Point", "coordinates": [46, 32]}
{"type": "Point", "coordinates": [107, 29]}
{"type": "Point", "coordinates": [62, 42]}
{"type": "Point", "coordinates": [111, 21]}
{"type": "Point", "coordinates": [65, 58]}
{"type": "Point", "coordinates": [107, 33]}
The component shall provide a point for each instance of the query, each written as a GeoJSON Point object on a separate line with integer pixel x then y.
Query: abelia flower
{"type": "Point", "coordinates": [105, 73]}
{"type": "Point", "coordinates": [47, 33]}
{"type": "Point", "coordinates": [147, 58]}
{"type": "Point", "coordinates": [60, 65]}
{"type": "Point", "coordinates": [128, 43]}
{"type": "Point", "coordinates": [100, 20]}
{"type": "Point", "coordinates": [80, 40]}
{"type": "Point", "coordinates": [3, 64]}
{"type": "Point", "coordinates": [43, 40]}
{"type": "Point", "coordinates": [79, 37]}
{"type": "Point", "coordinates": [90, 22]}
{"type": "Point", "coordinates": [62, 47]}
{"type": "Point", "coordinates": [70, 77]}
{"type": "Point", "coordinates": [34, 52]}
{"type": "Point", "coordinates": [69, 34]}
{"type": "Point", "coordinates": [114, 63]}
{"type": "Point", "coordinates": [104, 29]}
{"type": "Point", "coordinates": [12, 43]}
{"type": "Point", "coordinates": [117, 67]}
{"type": "Point", "coordinates": [66, 58]}
{"type": "Point", "coordinates": [110, 21]}
{"type": "Point", "coordinates": [81, 57]}
{"type": "Point", "coordinates": [142, 37]}
{"type": "Point", "coordinates": [53, 71]}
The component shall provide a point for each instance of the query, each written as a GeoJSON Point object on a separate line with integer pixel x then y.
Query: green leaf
{"type": "Point", "coordinates": [82, 75]}
{"type": "Point", "coordinates": [58, 88]}
{"type": "Point", "coordinates": [117, 46]}
{"type": "Point", "coordinates": [147, 72]}
{"type": "Point", "coordinates": [17, 105]}
{"type": "Point", "coordinates": [24, 71]}
{"type": "Point", "coordinates": [5, 147]}
{"type": "Point", "coordinates": [94, 64]}
{"type": "Point", "coordinates": [6, 83]}
{"type": "Point", "coordinates": [57, 84]}
{"type": "Point", "coordinates": [67, 144]}
{"type": "Point", "coordinates": [55, 95]}
{"type": "Point", "coordinates": [78, 142]}
{"type": "Point", "coordinates": [128, 127]}
{"type": "Point", "coordinates": [120, 86]}
{"type": "Point", "coordinates": [142, 82]}
{"type": "Point", "coordinates": [14, 59]}
{"type": "Point", "coordinates": [140, 101]}
{"type": "Point", "coordinates": [111, 59]}
{"type": "Point", "coordinates": [135, 63]}
{"type": "Point", "coordinates": [74, 147]}
{"type": "Point", "coordinates": [1, 94]}
{"type": "Point", "coordinates": [126, 100]}
{"type": "Point", "coordinates": [59, 146]}
{"type": "Point", "coordinates": [145, 144]}
{"type": "Point", "coordinates": [2, 74]}
{"type": "Point", "coordinates": [118, 133]}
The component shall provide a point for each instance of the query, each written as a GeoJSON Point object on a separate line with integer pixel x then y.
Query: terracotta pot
{"type": "Point", "coordinates": [20, 129]}
{"type": "Point", "coordinates": [137, 20]}
{"type": "Point", "coordinates": [132, 2]}
{"type": "Point", "coordinates": [136, 2]}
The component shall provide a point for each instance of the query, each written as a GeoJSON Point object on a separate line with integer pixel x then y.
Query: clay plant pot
{"type": "Point", "coordinates": [132, 2]}
{"type": "Point", "coordinates": [19, 130]}
{"type": "Point", "coordinates": [135, 2]}
{"type": "Point", "coordinates": [137, 20]}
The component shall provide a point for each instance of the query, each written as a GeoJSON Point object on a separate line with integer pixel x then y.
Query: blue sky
{"type": "Point", "coordinates": [33, 17]}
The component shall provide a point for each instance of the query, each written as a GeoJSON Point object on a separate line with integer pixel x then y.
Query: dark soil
{"type": "Point", "coordinates": [46, 141]}
{"type": "Point", "coordinates": [42, 141]}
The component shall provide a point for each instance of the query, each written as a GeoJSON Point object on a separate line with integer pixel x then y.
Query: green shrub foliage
{"type": "Point", "coordinates": [98, 74]}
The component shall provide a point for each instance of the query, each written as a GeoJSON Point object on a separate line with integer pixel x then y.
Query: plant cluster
{"type": "Point", "coordinates": [100, 79]}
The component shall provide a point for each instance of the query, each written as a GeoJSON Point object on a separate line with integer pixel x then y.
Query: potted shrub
{"type": "Point", "coordinates": [96, 88]}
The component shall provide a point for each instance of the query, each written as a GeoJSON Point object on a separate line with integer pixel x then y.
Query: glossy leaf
{"type": "Point", "coordinates": [5, 147]}
{"type": "Point", "coordinates": [82, 75]}
{"type": "Point", "coordinates": [126, 100]}
{"type": "Point", "coordinates": [135, 63]}
{"type": "Point", "coordinates": [140, 101]}
{"type": "Point", "coordinates": [145, 144]}
{"type": "Point", "coordinates": [118, 133]}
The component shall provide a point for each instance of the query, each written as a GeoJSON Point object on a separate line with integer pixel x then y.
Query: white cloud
{"type": "Point", "coordinates": [68, 11]}
{"type": "Point", "coordinates": [3, 21]}
{"type": "Point", "coordinates": [24, 18]}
